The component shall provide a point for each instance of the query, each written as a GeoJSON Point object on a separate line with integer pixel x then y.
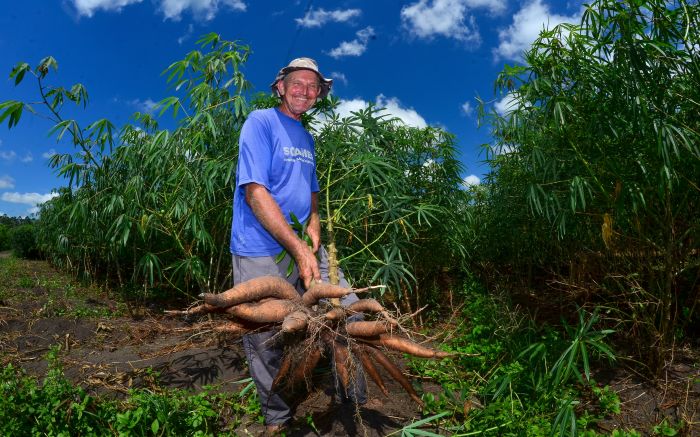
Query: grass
{"type": "Point", "coordinates": [53, 406]}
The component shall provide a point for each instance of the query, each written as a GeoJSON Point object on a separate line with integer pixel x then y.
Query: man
{"type": "Point", "coordinates": [275, 178]}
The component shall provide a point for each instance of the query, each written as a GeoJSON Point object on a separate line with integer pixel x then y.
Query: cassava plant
{"type": "Point", "coordinates": [390, 199]}
{"type": "Point", "coordinates": [597, 159]}
{"type": "Point", "coordinates": [147, 207]}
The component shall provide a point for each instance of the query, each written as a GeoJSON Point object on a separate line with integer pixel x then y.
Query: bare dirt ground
{"type": "Point", "coordinates": [109, 354]}
{"type": "Point", "coordinates": [646, 404]}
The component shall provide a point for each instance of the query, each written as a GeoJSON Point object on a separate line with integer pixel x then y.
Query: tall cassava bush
{"type": "Point", "coordinates": [596, 163]}
{"type": "Point", "coordinates": [152, 207]}
{"type": "Point", "coordinates": [148, 206]}
{"type": "Point", "coordinates": [392, 194]}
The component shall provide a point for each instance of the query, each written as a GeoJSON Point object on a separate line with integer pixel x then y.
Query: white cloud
{"type": "Point", "coordinates": [446, 18]}
{"type": "Point", "coordinates": [527, 24]}
{"type": "Point", "coordinates": [171, 9]}
{"type": "Point", "coordinates": [345, 107]}
{"type": "Point", "coordinates": [201, 9]}
{"type": "Point", "coordinates": [88, 7]}
{"type": "Point", "coordinates": [392, 108]}
{"type": "Point", "coordinates": [355, 47]}
{"type": "Point", "coordinates": [187, 35]}
{"type": "Point", "coordinates": [467, 109]}
{"type": "Point", "coordinates": [8, 156]}
{"type": "Point", "coordinates": [146, 106]}
{"type": "Point", "coordinates": [27, 158]}
{"type": "Point", "coordinates": [27, 198]}
{"type": "Point", "coordinates": [339, 77]}
{"type": "Point", "coordinates": [6, 182]}
{"type": "Point", "coordinates": [319, 17]}
{"type": "Point", "coordinates": [505, 105]}
{"type": "Point", "coordinates": [494, 6]}
{"type": "Point", "coordinates": [48, 154]}
{"type": "Point", "coordinates": [471, 180]}
{"type": "Point", "coordinates": [407, 115]}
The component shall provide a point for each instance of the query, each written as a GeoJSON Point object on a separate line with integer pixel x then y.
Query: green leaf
{"type": "Point", "coordinates": [11, 109]}
{"type": "Point", "coordinates": [412, 429]}
{"type": "Point", "coordinates": [45, 65]}
{"type": "Point", "coordinates": [19, 71]}
{"type": "Point", "coordinates": [65, 126]}
{"type": "Point", "coordinates": [78, 94]}
{"type": "Point", "coordinates": [280, 256]}
{"type": "Point", "coordinates": [290, 267]}
{"type": "Point", "coordinates": [167, 103]}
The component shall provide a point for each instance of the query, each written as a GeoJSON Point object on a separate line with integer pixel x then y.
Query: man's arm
{"type": "Point", "coordinates": [268, 213]}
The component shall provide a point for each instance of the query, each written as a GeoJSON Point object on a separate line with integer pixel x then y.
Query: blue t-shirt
{"type": "Point", "coordinates": [277, 152]}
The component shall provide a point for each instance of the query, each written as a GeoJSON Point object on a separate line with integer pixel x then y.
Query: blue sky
{"type": "Point", "coordinates": [426, 61]}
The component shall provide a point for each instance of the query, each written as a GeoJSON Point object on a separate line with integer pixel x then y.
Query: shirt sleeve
{"type": "Point", "coordinates": [254, 153]}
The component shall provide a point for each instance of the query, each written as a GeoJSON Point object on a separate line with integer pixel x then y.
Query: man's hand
{"type": "Point", "coordinates": [308, 265]}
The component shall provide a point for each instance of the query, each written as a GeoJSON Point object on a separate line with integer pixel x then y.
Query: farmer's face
{"type": "Point", "coordinates": [299, 91]}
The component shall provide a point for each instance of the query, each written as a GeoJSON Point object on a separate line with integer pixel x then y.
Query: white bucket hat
{"type": "Point", "coordinates": [303, 64]}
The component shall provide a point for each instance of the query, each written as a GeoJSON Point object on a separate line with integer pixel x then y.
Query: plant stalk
{"type": "Point", "coordinates": [333, 275]}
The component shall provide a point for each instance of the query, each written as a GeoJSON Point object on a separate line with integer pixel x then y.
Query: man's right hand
{"type": "Point", "coordinates": [307, 265]}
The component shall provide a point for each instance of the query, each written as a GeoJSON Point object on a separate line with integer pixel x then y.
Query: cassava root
{"type": "Point", "coordinates": [272, 303]}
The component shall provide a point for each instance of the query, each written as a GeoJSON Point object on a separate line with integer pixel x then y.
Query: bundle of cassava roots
{"type": "Point", "coordinates": [314, 324]}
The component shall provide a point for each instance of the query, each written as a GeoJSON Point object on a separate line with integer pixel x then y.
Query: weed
{"type": "Point", "coordinates": [310, 423]}
{"type": "Point", "coordinates": [608, 400]}
{"type": "Point", "coordinates": [56, 407]}
{"type": "Point", "coordinates": [518, 377]}
{"type": "Point", "coordinates": [667, 429]}
{"type": "Point", "coordinates": [81, 311]}
{"type": "Point", "coordinates": [26, 282]}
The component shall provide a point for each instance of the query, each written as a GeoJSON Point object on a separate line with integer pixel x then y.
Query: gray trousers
{"type": "Point", "coordinates": [265, 357]}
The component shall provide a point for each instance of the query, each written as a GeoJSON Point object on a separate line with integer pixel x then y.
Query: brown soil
{"type": "Point", "coordinates": [646, 403]}
{"type": "Point", "coordinates": [108, 355]}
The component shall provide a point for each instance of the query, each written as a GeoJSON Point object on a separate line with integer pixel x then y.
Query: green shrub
{"type": "Point", "coordinates": [4, 237]}
{"type": "Point", "coordinates": [24, 241]}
